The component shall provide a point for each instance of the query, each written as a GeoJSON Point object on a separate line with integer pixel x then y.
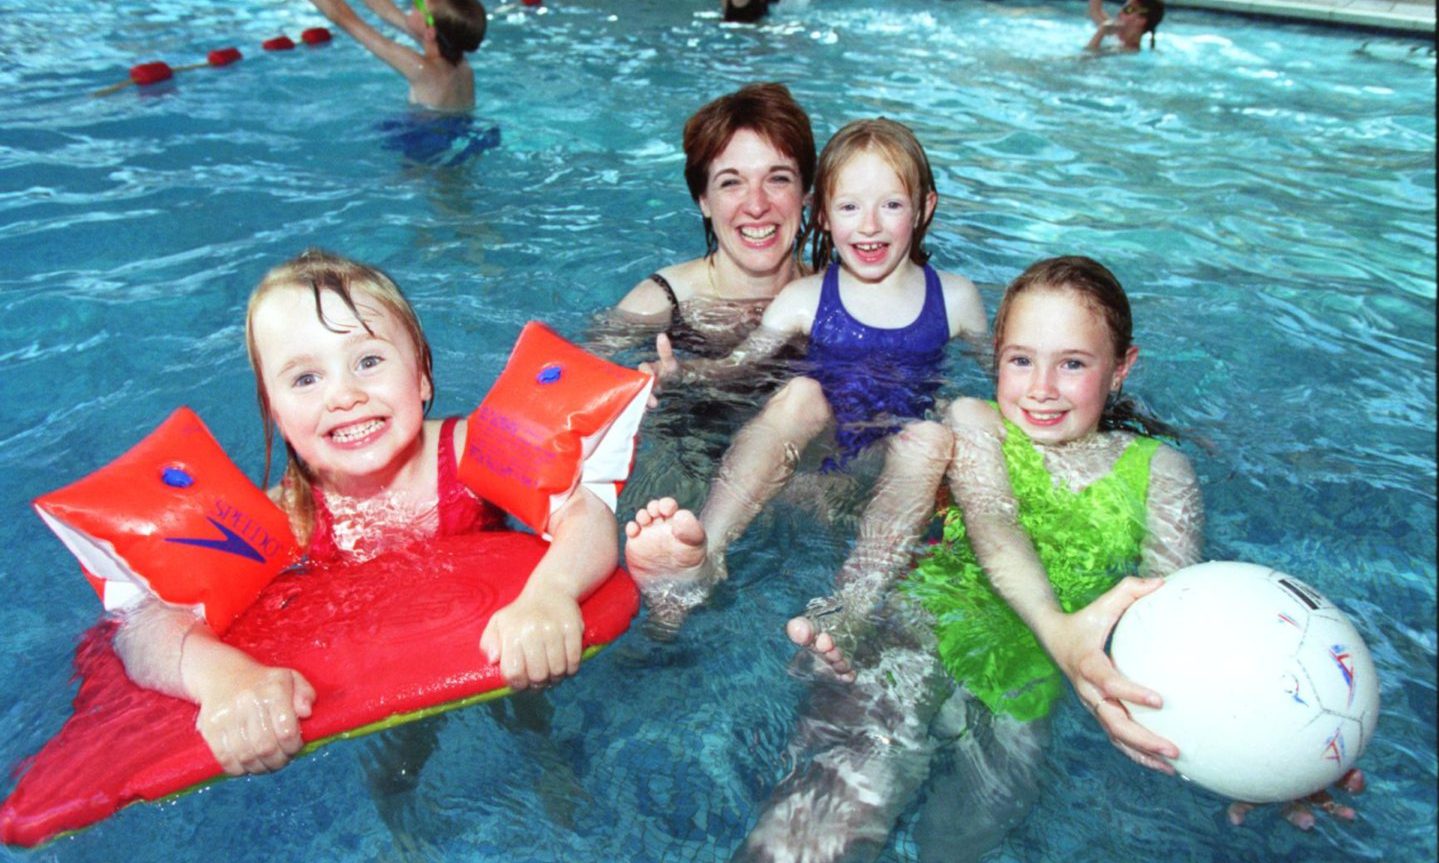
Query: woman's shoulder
{"type": "Point", "coordinates": [650, 299]}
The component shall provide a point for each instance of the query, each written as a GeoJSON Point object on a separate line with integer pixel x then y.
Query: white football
{"type": "Point", "coordinates": [1269, 691]}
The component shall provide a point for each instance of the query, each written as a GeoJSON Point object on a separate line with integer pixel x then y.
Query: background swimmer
{"type": "Point", "coordinates": [1135, 18]}
{"type": "Point", "coordinates": [440, 77]}
{"type": "Point", "coordinates": [745, 11]}
{"type": "Point", "coordinates": [342, 369]}
{"type": "Point", "coordinates": [878, 320]}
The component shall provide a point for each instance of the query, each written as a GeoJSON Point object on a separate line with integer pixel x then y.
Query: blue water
{"type": "Point", "coordinates": [1266, 193]}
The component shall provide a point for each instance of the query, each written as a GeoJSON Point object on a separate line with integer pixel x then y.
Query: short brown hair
{"type": "Point", "coordinates": [460, 26]}
{"type": "Point", "coordinates": [769, 111]}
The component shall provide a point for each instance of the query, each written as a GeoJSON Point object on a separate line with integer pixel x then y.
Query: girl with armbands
{"type": "Point", "coordinates": [878, 319]}
{"type": "Point", "coordinates": [343, 371]}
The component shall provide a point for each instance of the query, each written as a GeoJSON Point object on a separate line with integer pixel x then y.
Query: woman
{"type": "Point", "coordinates": [749, 164]}
{"type": "Point", "coordinates": [1136, 18]}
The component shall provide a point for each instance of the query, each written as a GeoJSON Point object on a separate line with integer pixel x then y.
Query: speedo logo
{"type": "Point", "coordinates": [239, 534]}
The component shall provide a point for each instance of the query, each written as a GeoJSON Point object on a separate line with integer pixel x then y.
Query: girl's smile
{"type": "Point", "coordinates": [871, 217]}
{"type": "Point", "coordinates": [350, 401]}
{"type": "Point", "coordinates": [1057, 366]}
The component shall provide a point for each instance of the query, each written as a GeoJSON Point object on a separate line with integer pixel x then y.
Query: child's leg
{"type": "Point", "coordinates": [982, 784]}
{"type": "Point", "coordinates": [861, 752]}
{"type": "Point", "coordinates": [898, 513]}
{"type": "Point", "coordinates": [676, 560]}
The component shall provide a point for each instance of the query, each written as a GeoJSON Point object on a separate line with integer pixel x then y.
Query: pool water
{"type": "Point", "coordinates": [1265, 192]}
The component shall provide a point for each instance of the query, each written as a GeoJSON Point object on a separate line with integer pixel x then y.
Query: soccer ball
{"type": "Point", "coordinates": [1269, 692]}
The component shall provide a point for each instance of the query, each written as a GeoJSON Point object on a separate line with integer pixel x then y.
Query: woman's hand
{"type": "Point", "coordinates": [665, 367]}
{"type": "Point", "coordinates": [536, 640]}
{"type": "Point", "coordinates": [1076, 642]}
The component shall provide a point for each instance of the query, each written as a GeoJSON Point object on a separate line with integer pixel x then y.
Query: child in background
{"type": "Point", "coordinates": [342, 369]}
{"type": "Point", "coordinates": [1136, 18]}
{"type": "Point", "coordinates": [440, 77]}
{"type": "Point", "coordinates": [878, 318]}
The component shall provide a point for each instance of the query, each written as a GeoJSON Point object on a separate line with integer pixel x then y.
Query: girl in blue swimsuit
{"type": "Point", "coordinates": [877, 318]}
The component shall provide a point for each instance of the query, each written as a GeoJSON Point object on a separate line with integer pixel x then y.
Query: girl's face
{"type": "Point", "coordinates": [871, 218]}
{"type": "Point", "coordinates": [1057, 366]}
{"type": "Point", "coordinates": [755, 201]}
{"type": "Point", "coordinates": [350, 403]}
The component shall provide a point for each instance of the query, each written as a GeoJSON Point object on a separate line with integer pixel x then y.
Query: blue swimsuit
{"type": "Point", "coordinates": [873, 377]}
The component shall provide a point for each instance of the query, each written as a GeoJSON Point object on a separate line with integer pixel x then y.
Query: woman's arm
{"type": "Point", "coordinates": [1096, 12]}
{"type": "Point", "coordinates": [1174, 530]}
{"type": "Point", "coordinates": [787, 317]}
{"type": "Point", "coordinates": [537, 638]}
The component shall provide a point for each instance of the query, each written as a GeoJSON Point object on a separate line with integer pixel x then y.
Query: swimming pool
{"type": "Point", "coordinates": [1265, 192]}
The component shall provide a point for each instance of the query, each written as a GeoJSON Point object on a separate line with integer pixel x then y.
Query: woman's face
{"type": "Point", "coordinates": [755, 200]}
{"type": "Point", "coordinates": [1132, 21]}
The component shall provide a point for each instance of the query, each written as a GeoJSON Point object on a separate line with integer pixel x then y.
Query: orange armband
{"type": "Point", "coordinates": [175, 519]}
{"type": "Point", "coordinates": [557, 417]}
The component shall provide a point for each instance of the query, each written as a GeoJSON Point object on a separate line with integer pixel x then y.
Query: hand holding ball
{"type": "Point", "coordinates": [1269, 691]}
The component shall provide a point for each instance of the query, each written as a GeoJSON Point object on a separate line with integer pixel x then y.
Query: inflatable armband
{"type": "Point", "coordinates": [558, 416]}
{"type": "Point", "coordinates": [173, 518]}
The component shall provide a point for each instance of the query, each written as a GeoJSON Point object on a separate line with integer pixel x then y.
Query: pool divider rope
{"type": "Point", "coordinates": [155, 71]}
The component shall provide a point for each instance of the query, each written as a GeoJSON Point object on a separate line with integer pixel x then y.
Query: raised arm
{"type": "Point", "coordinates": [388, 12]}
{"type": "Point", "coordinates": [406, 61]}
{"type": "Point", "coordinates": [980, 485]}
{"type": "Point", "coordinates": [537, 638]}
{"type": "Point", "coordinates": [1096, 12]}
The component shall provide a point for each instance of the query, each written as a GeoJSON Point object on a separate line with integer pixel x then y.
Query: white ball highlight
{"type": "Point", "coordinates": [1269, 691]}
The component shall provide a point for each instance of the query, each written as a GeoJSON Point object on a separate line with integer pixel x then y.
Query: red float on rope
{"type": "Point", "coordinates": [223, 56]}
{"type": "Point", "coordinates": [279, 43]}
{"type": "Point", "coordinates": [315, 36]}
{"type": "Point", "coordinates": [151, 73]}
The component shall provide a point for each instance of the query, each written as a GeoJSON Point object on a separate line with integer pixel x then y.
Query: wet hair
{"type": "Point", "coordinates": [896, 144]}
{"type": "Point", "coordinates": [1100, 292]}
{"type": "Point", "coordinates": [319, 272]}
{"type": "Point", "coordinates": [769, 111]}
{"type": "Point", "coordinates": [1153, 14]}
{"type": "Point", "coordinates": [460, 27]}
{"type": "Point", "coordinates": [748, 13]}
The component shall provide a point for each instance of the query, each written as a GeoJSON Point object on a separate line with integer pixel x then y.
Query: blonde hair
{"type": "Point", "coordinates": [319, 271]}
{"type": "Point", "coordinates": [900, 149]}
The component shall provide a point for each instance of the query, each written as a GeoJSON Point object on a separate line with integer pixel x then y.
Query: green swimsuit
{"type": "Point", "coordinates": [1087, 541]}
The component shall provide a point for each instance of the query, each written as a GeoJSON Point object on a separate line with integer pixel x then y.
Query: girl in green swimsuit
{"type": "Point", "coordinates": [1062, 494]}
{"type": "Point", "coordinates": [1061, 491]}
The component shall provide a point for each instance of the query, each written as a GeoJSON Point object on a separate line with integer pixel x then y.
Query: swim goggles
{"type": "Point", "coordinates": [1129, 9]}
{"type": "Point", "coordinates": [430, 19]}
